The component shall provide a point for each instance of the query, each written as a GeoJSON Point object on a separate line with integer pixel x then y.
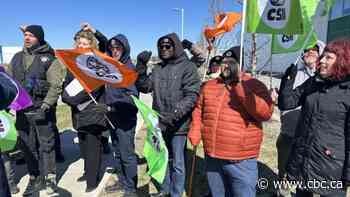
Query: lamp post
{"type": "Point", "coordinates": [182, 20]}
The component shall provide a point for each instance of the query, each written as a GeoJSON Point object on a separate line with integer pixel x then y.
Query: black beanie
{"type": "Point", "coordinates": [37, 31]}
{"type": "Point", "coordinates": [216, 59]}
{"type": "Point", "coordinates": [234, 52]}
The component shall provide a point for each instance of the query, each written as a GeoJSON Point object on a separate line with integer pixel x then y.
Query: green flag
{"type": "Point", "coordinates": [274, 16]}
{"type": "Point", "coordinates": [8, 134]}
{"type": "Point", "coordinates": [284, 43]}
{"type": "Point", "coordinates": [292, 43]}
{"type": "Point", "coordinates": [154, 150]}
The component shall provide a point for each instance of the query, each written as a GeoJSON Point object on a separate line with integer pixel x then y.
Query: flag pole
{"type": "Point", "coordinates": [242, 33]}
{"type": "Point", "coordinates": [190, 183]}
{"type": "Point", "coordinates": [304, 44]}
{"type": "Point", "coordinates": [206, 64]}
{"type": "Point", "coordinates": [270, 71]}
{"type": "Point", "coordinates": [108, 120]}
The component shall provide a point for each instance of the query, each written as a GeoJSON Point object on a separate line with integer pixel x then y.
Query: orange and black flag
{"type": "Point", "coordinates": [94, 69]}
{"type": "Point", "coordinates": [223, 23]}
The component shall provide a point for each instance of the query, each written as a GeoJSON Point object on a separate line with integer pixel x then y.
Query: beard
{"type": "Point", "coordinates": [230, 74]}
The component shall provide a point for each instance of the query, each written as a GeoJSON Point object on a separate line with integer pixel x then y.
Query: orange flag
{"type": "Point", "coordinates": [223, 23]}
{"type": "Point", "coordinates": [93, 68]}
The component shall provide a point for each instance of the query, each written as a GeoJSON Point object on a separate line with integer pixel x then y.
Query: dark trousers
{"type": "Point", "coordinates": [227, 178]}
{"type": "Point", "coordinates": [55, 130]}
{"type": "Point", "coordinates": [303, 193]}
{"type": "Point", "coordinates": [37, 144]}
{"type": "Point", "coordinates": [123, 139]}
{"type": "Point", "coordinates": [4, 188]}
{"type": "Point", "coordinates": [90, 149]}
{"type": "Point", "coordinates": [174, 182]}
{"type": "Point", "coordinates": [9, 168]}
{"type": "Point", "coordinates": [284, 147]}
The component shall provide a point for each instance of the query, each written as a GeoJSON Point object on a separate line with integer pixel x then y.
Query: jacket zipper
{"type": "Point", "coordinates": [217, 119]}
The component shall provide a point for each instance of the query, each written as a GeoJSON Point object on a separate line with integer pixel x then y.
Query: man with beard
{"type": "Point", "coordinates": [231, 109]}
{"type": "Point", "coordinates": [175, 85]}
{"type": "Point", "coordinates": [37, 69]}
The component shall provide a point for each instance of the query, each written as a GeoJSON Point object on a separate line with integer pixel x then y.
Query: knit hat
{"type": "Point", "coordinates": [234, 52]}
{"type": "Point", "coordinates": [37, 31]}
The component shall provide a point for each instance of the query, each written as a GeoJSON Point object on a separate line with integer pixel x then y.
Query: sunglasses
{"type": "Point", "coordinates": [165, 46]}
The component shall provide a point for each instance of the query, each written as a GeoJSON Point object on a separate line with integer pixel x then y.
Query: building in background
{"type": "Point", "coordinates": [339, 20]}
{"type": "Point", "coordinates": [6, 53]}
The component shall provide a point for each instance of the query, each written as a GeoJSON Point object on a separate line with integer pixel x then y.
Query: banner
{"type": "Point", "coordinates": [291, 43]}
{"type": "Point", "coordinates": [155, 150]}
{"type": "Point", "coordinates": [93, 69]}
{"type": "Point", "coordinates": [8, 134]}
{"type": "Point", "coordinates": [274, 17]}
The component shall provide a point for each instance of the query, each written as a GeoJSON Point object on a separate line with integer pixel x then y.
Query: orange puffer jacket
{"type": "Point", "coordinates": [229, 118]}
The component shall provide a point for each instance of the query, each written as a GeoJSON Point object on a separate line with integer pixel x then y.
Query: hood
{"type": "Point", "coordinates": [44, 48]}
{"type": "Point", "coordinates": [179, 50]}
{"type": "Point", "coordinates": [124, 41]}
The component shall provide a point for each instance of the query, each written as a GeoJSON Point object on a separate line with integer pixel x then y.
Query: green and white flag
{"type": "Point", "coordinates": [8, 133]}
{"type": "Point", "coordinates": [284, 43]}
{"type": "Point", "coordinates": [274, 17]}
{"type": "Point", "coordinates": [154, 150]}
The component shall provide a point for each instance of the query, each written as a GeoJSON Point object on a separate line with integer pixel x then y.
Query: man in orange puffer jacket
{"type": "Point", "coordinates": [228, 118]}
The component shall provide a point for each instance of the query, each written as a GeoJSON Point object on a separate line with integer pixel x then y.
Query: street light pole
{"type": "Point", "coordinates": [182, 20]}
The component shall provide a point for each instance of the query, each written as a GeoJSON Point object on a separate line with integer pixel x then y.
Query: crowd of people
{"type": "Point", "coordinates": [225, 112]}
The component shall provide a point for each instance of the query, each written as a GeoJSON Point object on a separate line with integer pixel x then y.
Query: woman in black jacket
{"type": "Point", "coordinates": [88, 118]}
{"type": "Point", "coordinates": [320, 156]}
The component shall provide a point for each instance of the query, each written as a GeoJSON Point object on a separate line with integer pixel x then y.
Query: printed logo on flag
{"type": "Point", "coordinates": [155, 140]}
{"type": "Point", "coordinates": [4, 125]}
{"type": "Point", "coordinates": [287, 41]}
{"type": "Point", "coordinates": [274, 13]}
{"type": "Point", "coordinates": [94, 66]}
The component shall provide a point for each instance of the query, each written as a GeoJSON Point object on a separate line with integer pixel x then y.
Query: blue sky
{"type": "Point", "coordinates": [143, 22]}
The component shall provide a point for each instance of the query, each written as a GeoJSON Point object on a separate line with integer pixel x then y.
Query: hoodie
{"type": "Point", "coordinates": [175, 85]}
{"type": "Point", "coordinates": [119, 98]}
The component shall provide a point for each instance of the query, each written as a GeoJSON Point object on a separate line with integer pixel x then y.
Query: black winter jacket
{"type": "Point", "coordinates": [175, 85]}
{"type": "Point", "coordinates": [321, 150]}
{"type": "Point", "coordinates": [89, 117]}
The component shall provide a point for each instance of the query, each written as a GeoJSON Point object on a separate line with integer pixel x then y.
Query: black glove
{"type": "Point", "coordinates": [291, 72]}
{"type": "Point", "coordinates": [167, 118]}
{"type": "Point", "coordinates": [186, 44]}
{"type": "Point", "coordinates": [144, 57]}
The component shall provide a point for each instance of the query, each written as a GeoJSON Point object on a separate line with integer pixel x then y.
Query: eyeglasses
{"type": "Point", "coordinates": [165, 46]}
{"type": "Point", "coordinates": [119, 48]}
{"type": "Point", "coordinates": [228, 61]}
